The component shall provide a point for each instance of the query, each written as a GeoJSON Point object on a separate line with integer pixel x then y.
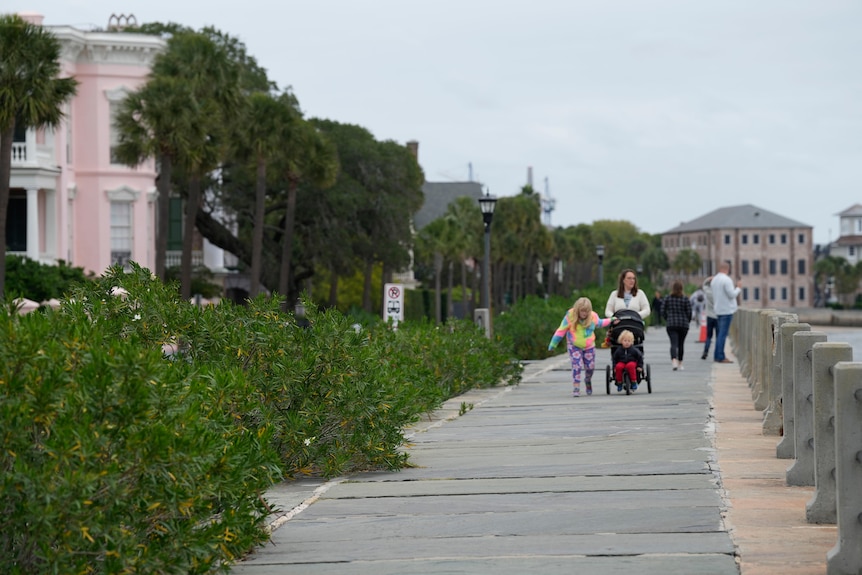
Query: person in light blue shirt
{"type": "Point", "coordinates": [724, 294]}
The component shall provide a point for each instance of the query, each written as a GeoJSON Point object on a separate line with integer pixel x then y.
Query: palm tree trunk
{"type": "Point", "coordinates": [366, 286]}
{"type": "Point", "coordinates": [450, 306]}
{"type": "Point", "coordinates": [287, 245]}
{"type": "Point", "coordinates": [333, 287]}
{"type": "Point", "coordinates": [438, 268]}
{"type": "Point", "coordinates": [475, 284]}
{"type": "Point", "coordinates": [5, 176]}
{"type": "Point", "coordinates": [192, 205]}
{"type": "Point", "coordinates": [163, 184]}
{"type": "Point", "coordinates": [464, 288]}
{"type": "Point", "coordinates": [257, 232]}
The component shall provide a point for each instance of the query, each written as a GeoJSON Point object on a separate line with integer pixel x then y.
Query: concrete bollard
{"type": "Point", "coordinates": [821, 507]}
{"type": "Point", "coordinates": [760, 390]}
{"type": "Point", "coordinates": [753, 329]}
{"type": "Point", "coordinates": [773, 420]}
{"type": "Point", "coordinates": [743, 334]}
{"type": "Point", "coordinates": [846, 557]}
{"type": "Point", "coordinates": [786, 449]}
{"type": "Point", "coordinates": [802, 470]}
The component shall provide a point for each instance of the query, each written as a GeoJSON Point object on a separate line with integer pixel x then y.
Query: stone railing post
{"type": "Point", "coordinates": [772, 415]}
{"type": "Point", "coordinates": [786, 449]}
{"type": "Point", "coordinates": [802, 470]}
{"type": "Point", "coordinates": [846, 557]}
{"type": "Point", "coordinates": [742, 337]}
{"type": "Point", "coordinates": [763, 348]}
{"type": "Point", "coordinates": [824, 356]}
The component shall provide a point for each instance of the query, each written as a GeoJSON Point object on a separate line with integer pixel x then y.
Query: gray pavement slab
{"type": "Point", "coordinates": [531, 480]}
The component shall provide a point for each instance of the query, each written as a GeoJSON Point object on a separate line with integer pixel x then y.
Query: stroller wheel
{"type": "Point", "coordinates": [608, 379]}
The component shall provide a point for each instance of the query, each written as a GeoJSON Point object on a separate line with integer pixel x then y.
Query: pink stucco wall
{"type": "Point", "coordinates": [95, 175]}
{"type": "Point", "coordinates": [83, 215]}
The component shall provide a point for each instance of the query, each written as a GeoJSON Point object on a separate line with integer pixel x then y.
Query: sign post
{"type": "Point", "coordinates": [393, 303]}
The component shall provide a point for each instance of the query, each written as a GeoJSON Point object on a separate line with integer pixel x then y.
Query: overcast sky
{"type": "Point", "coordinates": [651, 111]}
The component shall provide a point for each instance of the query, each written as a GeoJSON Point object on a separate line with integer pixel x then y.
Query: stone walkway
{"type": "Point", "coordinates": [531, 480]}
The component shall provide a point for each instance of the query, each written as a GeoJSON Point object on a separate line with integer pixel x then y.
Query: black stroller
{"type": "Point", "coordinates": [632, 321]}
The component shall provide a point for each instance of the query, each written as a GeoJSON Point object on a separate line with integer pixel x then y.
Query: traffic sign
{"type": "Point", "coordinates": [393, 303]}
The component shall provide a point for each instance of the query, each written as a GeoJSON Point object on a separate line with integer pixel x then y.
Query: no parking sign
{"type": "Point", "coordinates": [393, 303]}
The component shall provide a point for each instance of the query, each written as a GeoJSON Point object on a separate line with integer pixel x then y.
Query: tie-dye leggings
{"type": "Point", "coordinates": [582, 360]}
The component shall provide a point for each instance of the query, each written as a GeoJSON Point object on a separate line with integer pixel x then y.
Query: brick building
{"type": "Point", "coordinates": [773, 255]}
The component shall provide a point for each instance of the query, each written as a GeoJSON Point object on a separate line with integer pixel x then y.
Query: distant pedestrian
{"type": "Point", "coordinates": [656, 306]}
{"type": "Point", "coordinates": [711, 318]}
{"type": "Point", "coordinates": [724, 294]}
{"type": "Point", "coordinates": [677, 313]}
{"type": "Point", "coordinates": [627, 358]}
{"type": "Point", "coordinates": [579, 328]}
{"type": "Point", "coordinates": [698, 305]}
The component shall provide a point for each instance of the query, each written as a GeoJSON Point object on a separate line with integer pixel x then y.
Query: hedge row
{"type": "Point", "coordinates": [140, 433]}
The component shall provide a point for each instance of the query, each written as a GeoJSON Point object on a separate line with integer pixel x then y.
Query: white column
{"type": "Point", "coordinates": [52, 226]}
{"type": "Point", "coordinates": [213, 257]}
{"type": "Point", "coordinates": [33, 224]}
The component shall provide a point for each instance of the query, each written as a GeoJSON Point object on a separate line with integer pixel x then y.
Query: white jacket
{"type": "Point", "coordinates": [638, 303]}
{"type": "Point", "coordinates": [724, 294]}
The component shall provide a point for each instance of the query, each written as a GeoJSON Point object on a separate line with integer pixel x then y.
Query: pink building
{"type": "Point", "coordinates": [69, 200]}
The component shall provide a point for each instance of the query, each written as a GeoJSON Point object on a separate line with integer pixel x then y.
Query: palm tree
{"type": "Point", "coordinates": [213, 78]}
{"type": "Point", "coordinates": [431, 243]}
{"type": "Point", "coordinates": [31, 96]}
{"type": "Point", "coordinates": [306, 155]}
{"type": "Point", "coordinates": [687, 262]}
{"type": "Point", "coordinates": [154, 121]}
{"type": "Point", "coordinates": [466, 218]}
{"type": "Point", "coordinates": [262, 138]}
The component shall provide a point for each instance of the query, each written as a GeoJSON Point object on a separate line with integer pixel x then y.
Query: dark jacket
{"type": "Point", "coordinates": [627, 354]}
{"type": "Point", "coordinates": [677, 311]}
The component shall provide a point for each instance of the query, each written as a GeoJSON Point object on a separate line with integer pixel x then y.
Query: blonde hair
{"type": "Point", "coordinates": [626, 335]}
{"type": "Point", "coordinates": [582, 303]}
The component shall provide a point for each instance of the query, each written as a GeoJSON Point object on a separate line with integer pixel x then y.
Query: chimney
{"type": "Point", "coordinates": [413, 146]}
{"type": "Point", "coordinates": [530, 176]}
{"type": "Point", "coordinates": [32, 17]}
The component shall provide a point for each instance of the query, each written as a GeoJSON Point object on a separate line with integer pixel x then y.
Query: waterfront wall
{"type": "Point", "coordinates": [826, 316]}
{"type": "Point", "coordinates": [810, 392]}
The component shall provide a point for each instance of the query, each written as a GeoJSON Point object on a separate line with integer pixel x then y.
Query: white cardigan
{"type": "Point", "coordinates": [638, 303]}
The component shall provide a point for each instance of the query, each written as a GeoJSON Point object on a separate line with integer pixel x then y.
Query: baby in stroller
{"type": "Point", "coordinates": [627, 358]}
{"type": "Point", "coordinates": [626, 337]}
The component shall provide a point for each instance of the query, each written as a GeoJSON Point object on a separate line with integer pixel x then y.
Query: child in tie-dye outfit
{"type": "Point", "coordinates": [579, 328]}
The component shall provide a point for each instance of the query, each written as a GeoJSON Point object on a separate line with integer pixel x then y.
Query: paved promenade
{"type": "Point", "coordinates": [532, 480]}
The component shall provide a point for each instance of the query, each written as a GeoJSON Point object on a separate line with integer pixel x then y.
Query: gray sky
{"type": "Point", "coordinates": [651, 111]}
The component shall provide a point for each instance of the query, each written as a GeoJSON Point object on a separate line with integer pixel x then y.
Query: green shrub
{"type": "Point", "coordinates": [119, 458]}
{"type": "Point", "coordinates": [39, 282]}
{"type": "Point", "coordinates": [114, 459]}
{"type": "Point", "coordinates": [530, 323]}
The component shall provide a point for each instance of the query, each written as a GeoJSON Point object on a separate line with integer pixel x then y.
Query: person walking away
{"type": "Point", "coordinates": [724, 294]}
{"type": "Point", "coordinates": [711, 319]}
{"type": "Point", "coordinates": [627, 358]}
{"type": "Point", "coordinates": [579, 328]}
{"type": "Point", "coordinates": [656, 307]}
{"type": "Point", "coordinates": [677, 313]}
{"type": "Point", "coordinates": [628, 296]}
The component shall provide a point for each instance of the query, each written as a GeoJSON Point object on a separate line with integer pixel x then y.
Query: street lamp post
{"type": "Point", "coordinates": [487, 203]}
{"type": "Point", "coordinates": [600, 252]}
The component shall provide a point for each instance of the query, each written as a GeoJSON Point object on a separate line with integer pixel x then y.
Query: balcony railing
{"type": "Point", "coordinates": [28, 154]}
{"type": "Point", "coordinates": [173, 258]}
